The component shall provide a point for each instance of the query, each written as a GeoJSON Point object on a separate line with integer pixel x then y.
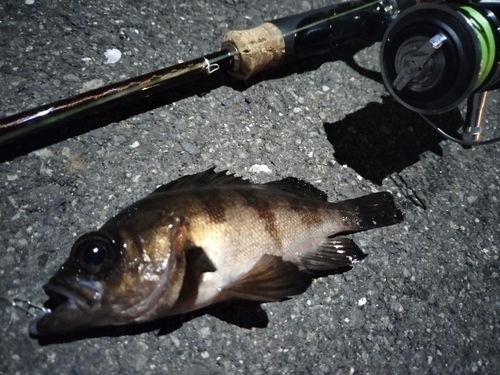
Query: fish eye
{"type": "Point", "coordinates": [94, 251]}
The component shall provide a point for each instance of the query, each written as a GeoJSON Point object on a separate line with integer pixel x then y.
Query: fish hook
{"type": "Point", "coordinates": [17, 302]}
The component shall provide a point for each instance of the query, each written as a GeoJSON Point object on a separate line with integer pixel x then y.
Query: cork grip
{"type": "Point", "coordinates": [258, 49]}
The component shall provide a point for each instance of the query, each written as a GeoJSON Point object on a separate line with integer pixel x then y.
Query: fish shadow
{"type": "Point", "coordinates": [92, 121]}
{"type": "Point", "coordinates": [382, 139]}
{"type": "Point", "coordinates": [244, 314]}
{"type": "Point", "coordinates": [241, 313]}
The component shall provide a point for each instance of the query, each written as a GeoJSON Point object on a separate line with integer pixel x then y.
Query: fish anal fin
{"type": "Point", "coordinates": [335, 254]}
{"type": "Point", "coordinates": [270, 279]}
{"type": "Point", "coordinates": [208, 177]}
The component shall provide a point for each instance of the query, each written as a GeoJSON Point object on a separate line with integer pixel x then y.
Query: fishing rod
{"type": "Point", "coordinates": [434, 56]}
{"type": "Point", "coordinates": [243, 54]}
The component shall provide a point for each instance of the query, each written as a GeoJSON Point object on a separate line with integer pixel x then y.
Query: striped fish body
{"type": "Point", "coordinates": [204, 239]}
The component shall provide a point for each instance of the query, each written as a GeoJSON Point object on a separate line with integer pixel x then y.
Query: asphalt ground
{"type": "Point", "coordinates": [425, 301]}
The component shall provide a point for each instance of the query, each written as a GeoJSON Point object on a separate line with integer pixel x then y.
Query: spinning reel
{"type": "Point", "coordinates": [435, 56]}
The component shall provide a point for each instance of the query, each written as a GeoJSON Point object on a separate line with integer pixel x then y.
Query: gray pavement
{"type": "Point", "coordinates": [425, 301]}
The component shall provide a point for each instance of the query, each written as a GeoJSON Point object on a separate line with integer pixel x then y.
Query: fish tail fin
{"type": "Point", "coordinates": [371, 211]}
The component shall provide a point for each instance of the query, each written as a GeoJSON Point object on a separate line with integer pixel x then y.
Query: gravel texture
{"type": "Point", "coordinates": [425, 301]}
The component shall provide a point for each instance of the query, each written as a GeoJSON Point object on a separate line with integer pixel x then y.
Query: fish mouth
{"type": "Point", "coordinates": [70, 306]}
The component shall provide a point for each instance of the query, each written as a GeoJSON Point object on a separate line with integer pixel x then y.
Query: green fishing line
{"type": "Point", "coordinates": [486, 38]}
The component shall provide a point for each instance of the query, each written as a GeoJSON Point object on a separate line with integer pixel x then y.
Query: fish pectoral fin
{"type": "Point", "coordinates": [270, 279]}
{"type": "Point", "coordinates": [334, 254]}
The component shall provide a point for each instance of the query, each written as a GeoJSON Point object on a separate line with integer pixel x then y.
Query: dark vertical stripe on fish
{"type": "Point", "coordinates": [309, 215]}
{"type": "Point", "coordinates": [214, 204]}
{"type": "Point", "coordinates": [265, 212]}
{"type": "Point", "coordinates": [190, 286]}
{"type": "Point", "coordinates": [196, 264]}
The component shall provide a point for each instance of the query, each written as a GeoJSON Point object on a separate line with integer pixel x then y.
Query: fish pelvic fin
{"type": "Point", "coordinates": [371, 211]}
{"type": "Point", "coordinates": [271, 279]}
{"type": "Point", "coordinates": [335, 255]}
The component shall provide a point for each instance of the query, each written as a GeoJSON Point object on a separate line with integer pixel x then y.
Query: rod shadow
{"type": "Point", "coordinates": [86, 123]}
{"type": "Point", "coordinates": [382, 139]}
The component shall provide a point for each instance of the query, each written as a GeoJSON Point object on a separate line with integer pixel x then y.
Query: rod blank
{"type": "Point", "coordinates": [244, 54]}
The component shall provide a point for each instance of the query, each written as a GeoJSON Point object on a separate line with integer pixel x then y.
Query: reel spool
{"type": "Point", "coordinates": [435, 56]}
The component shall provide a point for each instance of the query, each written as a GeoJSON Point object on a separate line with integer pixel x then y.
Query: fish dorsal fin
{"type": "Point", "coordinates": [208, 177]}
{"type": "Point", "coordinates": [299, 188]}
{"type": "Point", "coordinates": [334, 254]}
{"type": "Point", "coordinates": [270, 279]}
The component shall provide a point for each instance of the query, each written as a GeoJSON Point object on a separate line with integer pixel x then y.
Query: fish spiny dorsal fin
{"type": "Point", "coordinates": [208, 177]}
{"type": "Point", "coordinates": [270, 279]}
{"type": "Point", "coordinates": [299, 188]}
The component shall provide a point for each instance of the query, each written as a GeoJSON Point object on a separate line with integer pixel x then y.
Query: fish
{"type": "Point", "coordinates": [203, 239]}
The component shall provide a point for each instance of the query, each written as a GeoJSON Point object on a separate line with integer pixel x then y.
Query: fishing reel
{"type": "Point", "coordinates": [435, 56]}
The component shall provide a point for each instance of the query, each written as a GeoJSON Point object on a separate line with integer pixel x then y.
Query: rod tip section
{"type": "Point", "coordinates": [258, 49]}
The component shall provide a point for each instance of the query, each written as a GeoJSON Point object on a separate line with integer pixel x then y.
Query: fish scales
{"type": "Point", "coordinates": [203, 239]}
{"type": "Point", "coordinates": [265, 223]}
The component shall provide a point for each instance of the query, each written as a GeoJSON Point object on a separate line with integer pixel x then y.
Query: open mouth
{"type": "Point", "coordinates": [68, 307]}
{"type": "Point", "coordinates": [62, 298]}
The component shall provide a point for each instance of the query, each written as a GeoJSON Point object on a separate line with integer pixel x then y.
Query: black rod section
{"type": "Point", "coordinates": [319, 31]}
{"type": "Point", "coordinates": [244, 54]}
{"type": "Point", "coordinates": [62, 111]}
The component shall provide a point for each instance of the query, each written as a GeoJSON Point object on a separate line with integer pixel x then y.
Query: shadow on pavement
{"type": "Point", "coordinates": [85, 123]}
{"type": "Point", "coordinates": [244, 314]}
{"type": "Point", "coordinates": [382, 139]}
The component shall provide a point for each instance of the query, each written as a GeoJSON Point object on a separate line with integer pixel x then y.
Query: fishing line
{"type": "Point", "coordinates": [311, 25]}
{"type": "Point", "coordinates": [460, 141]}
{"type": "Point", "coordinates": [11, 304]}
